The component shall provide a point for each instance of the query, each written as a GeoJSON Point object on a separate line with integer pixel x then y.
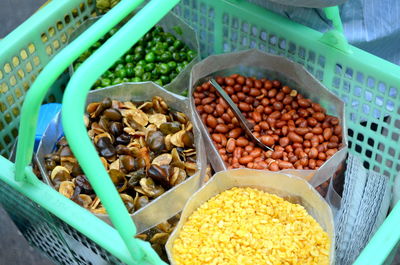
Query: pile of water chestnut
{"type": "Point", "coordinates": [147, 148]}
{"type": "Point", "coordinates": [300, 132]}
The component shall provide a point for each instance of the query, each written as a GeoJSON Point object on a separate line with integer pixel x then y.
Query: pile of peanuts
{"type": "Point", "coordinates": [302, 135]}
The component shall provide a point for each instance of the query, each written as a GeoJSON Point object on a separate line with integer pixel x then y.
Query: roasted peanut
{"type": "Point", "coordinates": [284, 141]}
{"type": "Point", "coordinates": [211, 121]}
{"type": "Point", "coordinates": [216, 137]}
{"type": "Point", "coordinates": [302, 134]}
{"type": "Point", "coordinates": [313, 153]}
{"type": "Point", "coordinates": [327, 133]}
{"type": "Point", "coordinates": [235, 133]}
{"type": "Point", "coordinates": [285, 164]}
{"type": "Point", "coordinates": [245, 159]}
{"type": "Point", "coordinates": [242, 142]}
{"type": "Point", "coordinates": [273, 166]}
{"type": "Point", "coordinates": [221, 128]}
{"type": "Point", "coordinates": [294, 137]}
{"type": "Point", "coordinates": [231, 145]}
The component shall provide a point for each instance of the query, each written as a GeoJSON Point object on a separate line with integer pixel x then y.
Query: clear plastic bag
{"type": "Point", "coordinates": [260, 64]}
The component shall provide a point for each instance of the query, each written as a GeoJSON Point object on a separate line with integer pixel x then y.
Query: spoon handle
{"type": "Point", "coordinates": [244, 123]}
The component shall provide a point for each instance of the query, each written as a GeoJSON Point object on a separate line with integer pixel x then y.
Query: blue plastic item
{"type": "Point", "coordinates": [47, 112]}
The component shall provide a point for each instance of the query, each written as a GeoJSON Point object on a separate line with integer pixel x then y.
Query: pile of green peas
{"type": "Point", "coordinates": [158, 56]}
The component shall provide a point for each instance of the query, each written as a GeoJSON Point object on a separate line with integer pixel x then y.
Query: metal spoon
{"type": "Point", "coordinates": [244, 123]}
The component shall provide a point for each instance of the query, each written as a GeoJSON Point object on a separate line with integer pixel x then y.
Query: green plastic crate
{"type": "Point", "coordinates": [369, 86]}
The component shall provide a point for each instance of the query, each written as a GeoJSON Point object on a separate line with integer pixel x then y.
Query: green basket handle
{"type": "Point", "coordinates": [37, 92]}
{"type": "Point", "coordinates": [73, 111]}
{"type": "Point", "coordinates": [335, 37]}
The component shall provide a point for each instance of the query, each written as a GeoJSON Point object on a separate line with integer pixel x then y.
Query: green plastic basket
{"type": "Point", "coordinates": [69, 234]}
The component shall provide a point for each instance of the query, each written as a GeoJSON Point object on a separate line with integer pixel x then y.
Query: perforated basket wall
{"type": "Point", "coordinates": [59, 241]}
{"type": "Point", "coordinates": [19, 69]}
{"type": "Point", "coordinates": [372, 96]}
{"type": "Point", "coordinates": [368, 85]}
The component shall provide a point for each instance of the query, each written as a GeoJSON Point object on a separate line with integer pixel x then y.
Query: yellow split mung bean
{"type": "Point", "coordinates": [249, 226]}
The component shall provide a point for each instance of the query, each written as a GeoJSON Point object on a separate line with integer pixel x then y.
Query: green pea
{"type": "Point", "coordinates": [129, 58]}
{"type": "Point", "coordinates": [121, 73]}
{"type": "Point", "coordinates": [169, 38]}
{"type": "Point", "coordinates": [146, 76]}
{"type": "Point", "coordinates": [158, 57]}
{"type": "Point", "coordinates": [158, 38]}
{"type": "Point", "coordinates": [158, 82]}
{"type": "Point", "coordinates": [113, 31]}
{"type": "Point", "coordinates": [159, 45]}
{"type": "Point", "coordinates": [117, 81]}
{"type": "Point", "coordinates": [165, 45]}
{"type": "Point", "coordinates": [171, 49]}
{"type": "Point", "coordinates": [176, 56]}
{"type": "Point", "coordinates": [164, 68]}
{"type": "Point", "coordinates": [136, 79]}
{"type": "Point", "coordinates": [104, 38]}
{"type": "Point", "coordinates": [158, 29]}
{"type": "Point", "coordinates": [190, 55]}
{"type": "Point", "coordinates": [107, 73]}
{"type": "Point", "coordinates": [147, 36]}
{"type": "Point", "coordinates": [149, 67]}
{"type": "Point", "coordinates": [165, 79]}
{"type": "Point", "coordinates": [119, 61]}
{"type": "Point", "coordinates": [97, 83]}
{"type": "Point", "coordinates": [179, 68]}
{"type": "Point", "coordinates": [158, 50]}
{"type": "Point", "coordinates": [111, 76]}
{"type": "Point", "coordinates": [139, 71]}
{"type": "Point", "coordinates": [96, 45]}
{"type": "Point", "coordinates": [119, 66]}
{"type": "Point", "coordinates": [150, 57]}
{"type": "Point", "coordinates": [150, 44]}
{"type": "Point", "coordinates": [172, 64]}
{"type": "Point", "coordinates": [137, 57]}
{"type": "Point", "coordinates": [130, 71]}
{"type": "Point", "coordinates": [139, 49]}
{"type": "Point", "coordinates": [166, 56]}
{"type": "Point", "coordinates": [182, 55]}
{"type": "Point", "coordinates": [105, 82]}
{"type": "Point", "coordinates": [178, 44]}
{"type": "Point", "coordinates": [142, 63]}
{"type": "Point", "coordinates": [125, 80]}
{"type": "Point", "coordinates": [155, 72]}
